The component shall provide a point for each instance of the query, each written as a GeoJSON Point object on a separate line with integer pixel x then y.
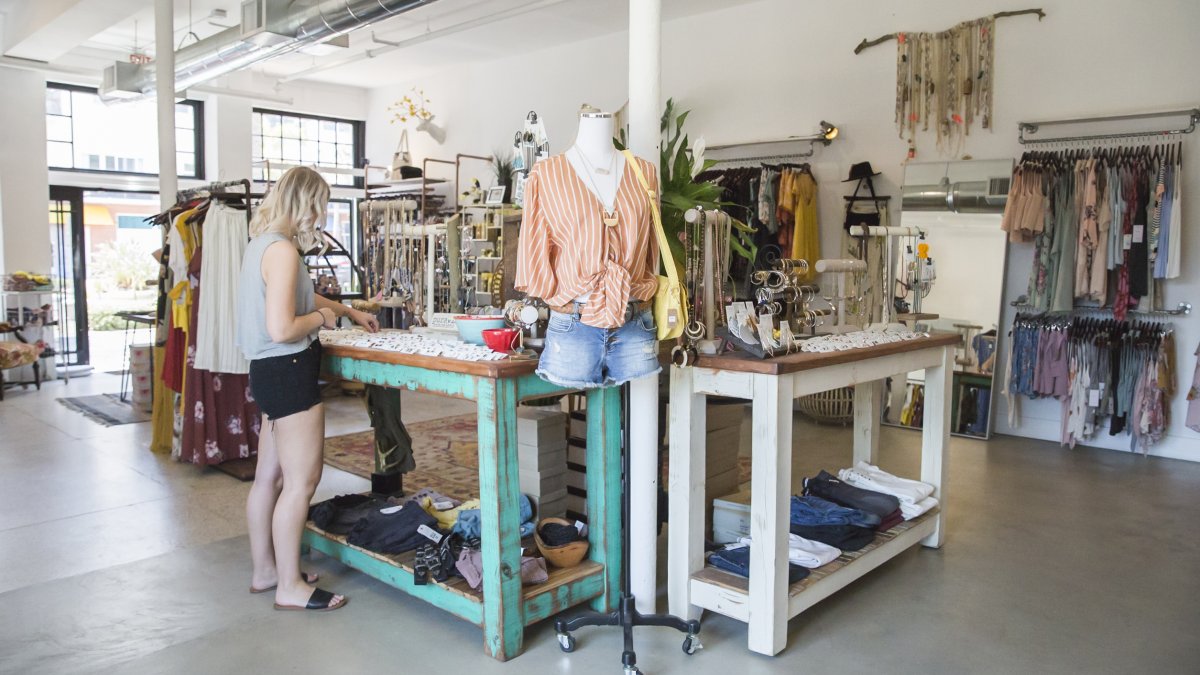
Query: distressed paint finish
{"type": "Point", "coordinates": [499, 494]}
{"type": "Point", "coordinates": [532, 386]}
{"type": "Point", "coordinates": [397, 577]}
{"type": "Point", "coordinates": [457, 385]}
{"type": "Point", "coordinates": [604, 489]}
{"type": "Point", "coordinates": [548, 604]}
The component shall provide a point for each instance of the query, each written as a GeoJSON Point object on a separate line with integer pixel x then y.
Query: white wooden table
{"type": "Point", "coordinates": [766, 601]}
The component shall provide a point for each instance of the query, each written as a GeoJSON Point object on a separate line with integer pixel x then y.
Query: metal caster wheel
{"type": "Point", "coordinates": [631, 670]}
{"type": "Point", "coordinates": [566, 642]}
{"type": "Point", "coordinates": [691, 644]}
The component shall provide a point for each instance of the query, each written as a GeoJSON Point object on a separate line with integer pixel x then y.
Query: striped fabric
{"type": "Point", "coordinates": [566, 249]}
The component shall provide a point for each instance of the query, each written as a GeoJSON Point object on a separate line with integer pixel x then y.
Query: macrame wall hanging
{"type": "Point", "coordinates": [944, 80]}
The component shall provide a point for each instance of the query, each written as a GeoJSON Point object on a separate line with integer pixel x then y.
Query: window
{"type": "Point", "coordinates": [85, 134]}
{"type": "Point", "coordinates": [290, 139]}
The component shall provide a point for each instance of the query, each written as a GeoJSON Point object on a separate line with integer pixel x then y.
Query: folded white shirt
{"type": "Point", "coordinates": [806, 552]}
{"type": "Point", "coordinates": [910, 511]}
{"type": "Point", "coordinates": [870, 477]}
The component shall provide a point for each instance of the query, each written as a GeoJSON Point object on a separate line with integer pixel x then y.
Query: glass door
{"type": "Point", "coordinates": [69, 269]}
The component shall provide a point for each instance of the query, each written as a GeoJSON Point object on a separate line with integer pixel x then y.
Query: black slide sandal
{"type": "Point", "coordinates": [321, 600]}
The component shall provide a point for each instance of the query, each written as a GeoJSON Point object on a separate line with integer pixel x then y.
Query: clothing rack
{"type": "Point", "coordinates": [811, 140]}
{"type": "Point", "coordinates": [217, 189]}
{"type": "Point", "coordinates": [1193, 116]}
{"type": "Point", "coordinates": [1183, 309]}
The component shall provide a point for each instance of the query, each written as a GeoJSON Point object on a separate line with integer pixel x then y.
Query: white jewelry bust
{"type": "Point", "coordinates": [595, 159]}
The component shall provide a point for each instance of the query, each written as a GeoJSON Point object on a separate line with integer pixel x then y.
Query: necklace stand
{"type": "Point", "coordinates": [626, 615]}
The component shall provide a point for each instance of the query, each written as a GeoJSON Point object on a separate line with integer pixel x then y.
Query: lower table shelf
{"type": "Point", "coordinates": [565, 587]}
{"type": "Point", "coordinates": [726, 593]}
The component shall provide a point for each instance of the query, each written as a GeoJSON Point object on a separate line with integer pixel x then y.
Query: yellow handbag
{"type": "Point", "coordinates": [670, 300]}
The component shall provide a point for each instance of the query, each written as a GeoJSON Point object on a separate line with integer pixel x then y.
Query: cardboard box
{"type": "Point", "coordinates": [538, 427]}
{"type": "Point", "coordinates": [550, 457]}
{"type": "Point", "coordinates": [731, 517]}
{"type": "Point", "coordinates": [536, 484]}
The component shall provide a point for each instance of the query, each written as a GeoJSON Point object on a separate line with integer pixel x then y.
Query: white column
{"type": "Point", "coordinates": [645, 109]}
{"type": "Point", "coordinates": [164, 84]}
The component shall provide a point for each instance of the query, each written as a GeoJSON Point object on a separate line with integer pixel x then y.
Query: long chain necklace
{"type": "Point", "coordinates": [610, 218]}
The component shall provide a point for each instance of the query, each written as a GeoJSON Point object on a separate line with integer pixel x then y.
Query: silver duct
{"type": "Point", "coordinates": [269, 28]}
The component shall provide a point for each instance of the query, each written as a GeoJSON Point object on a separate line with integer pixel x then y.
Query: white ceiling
{"type": "Point", "coordinates": [540, 23]}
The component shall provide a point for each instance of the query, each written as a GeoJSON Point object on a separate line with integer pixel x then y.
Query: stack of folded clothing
{"type": "Point", "coordinates": [837, 526]}
{"type": "Point", "coordinates": [468, 522]}
{"type": "Point", "coordinates": [885, 506]}
{"type": "Point", "coordinates": [806, 552]}
{"type": "Point", "coordinates": [737, 560]}
{"type": "Point", "coordinates": [915, 497]}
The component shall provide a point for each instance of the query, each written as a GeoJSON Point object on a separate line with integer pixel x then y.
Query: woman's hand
{"type": "Point", "coordinates": [364, 319]}
{"type": "Point", "coordinates": [328, 318]}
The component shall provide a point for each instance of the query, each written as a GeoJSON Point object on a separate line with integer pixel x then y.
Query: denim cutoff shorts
{"type": "Point", "coordinates": [581, 356]}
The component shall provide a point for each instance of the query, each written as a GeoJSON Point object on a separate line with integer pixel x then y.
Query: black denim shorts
{"type": "Point", "coordinates": [286, 385]}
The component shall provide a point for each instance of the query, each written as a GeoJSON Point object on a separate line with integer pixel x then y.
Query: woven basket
{"type": "Point", "coordinates": [835, 406]}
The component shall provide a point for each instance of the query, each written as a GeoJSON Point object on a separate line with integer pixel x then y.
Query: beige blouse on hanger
{"type": "Point", "coordinates": [567, 249]}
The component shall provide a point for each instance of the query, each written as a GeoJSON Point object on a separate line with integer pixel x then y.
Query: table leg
{"type": "Point", "coordinates": [935, 438]}
{"type": "Point", "coordinates": [604, 490]}
{"type": "Point", "coordinates": [866, 421]}
{"type": "Point", "coordinates": [499, 494]}
{"type": "Point", "coordinates": [685, 488]}
{"type": "Point", "coordinates": [770, 492]}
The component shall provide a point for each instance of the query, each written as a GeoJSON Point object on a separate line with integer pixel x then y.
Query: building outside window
{"type": "Point", "coordinates": [282, 140]}
{"type": "Point", "coordinates": [85, 134]}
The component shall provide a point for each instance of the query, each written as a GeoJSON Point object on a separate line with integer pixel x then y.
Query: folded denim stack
{"type": "Point", "coordinates": [825, 522]}
{"type": "Point", "coordinates": [737, 561]}
{"type": "Point", "coordinates": [915, 497]}
{"type": "Point", "coordinates": [827, 486]}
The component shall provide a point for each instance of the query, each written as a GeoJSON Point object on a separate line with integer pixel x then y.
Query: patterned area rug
{"type": "Point", "coordinates": [446, 452]}
{"type": "Point", "coordinates": [106, 409]}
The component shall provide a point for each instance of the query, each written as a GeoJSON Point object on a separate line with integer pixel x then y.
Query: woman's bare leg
{"type": "Point", "coordinates": [260, 508]}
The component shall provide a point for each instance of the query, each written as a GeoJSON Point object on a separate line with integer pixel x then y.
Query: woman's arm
{"type": "Point", "coordinates": [367, 321]}
{"type": "Point", "coordinates": [280, 267]}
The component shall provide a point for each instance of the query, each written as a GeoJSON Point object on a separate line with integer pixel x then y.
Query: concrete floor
{"type": "Point", "coordinates": [119, 561]}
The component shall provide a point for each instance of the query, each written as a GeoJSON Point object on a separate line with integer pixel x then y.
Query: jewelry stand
{"type": "Point", "coordinates": [626, 615]}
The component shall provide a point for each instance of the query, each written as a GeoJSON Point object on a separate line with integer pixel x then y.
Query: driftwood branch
{"type": "Point", "coordinates": [998, 15]}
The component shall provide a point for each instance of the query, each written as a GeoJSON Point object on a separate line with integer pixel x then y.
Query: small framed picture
{"type": "Point", "coordinates": [495, 196]}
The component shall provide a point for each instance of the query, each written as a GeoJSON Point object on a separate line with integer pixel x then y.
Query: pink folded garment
{"type": "Point", "coordinates": [470, 565]}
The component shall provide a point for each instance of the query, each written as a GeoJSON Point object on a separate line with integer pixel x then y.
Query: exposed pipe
{"type": "Point", "coordinates": [242, 93]}
{"type": "Point", "coordinates": [423, 37]}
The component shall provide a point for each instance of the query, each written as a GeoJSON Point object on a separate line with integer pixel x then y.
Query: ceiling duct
{"type": "Point", "coordinates": [975, 196]}
{"type": "Point", "coordinates": [269, 28]}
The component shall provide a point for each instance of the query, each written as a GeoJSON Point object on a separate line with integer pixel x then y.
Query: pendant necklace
{"type": "Point", "coordinates": [610, 219]}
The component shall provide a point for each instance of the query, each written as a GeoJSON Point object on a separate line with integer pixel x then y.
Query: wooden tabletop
{"type": "Point", "coordinates": [493, 369]}
{"type": "Point", "coordinates": [794, 363]}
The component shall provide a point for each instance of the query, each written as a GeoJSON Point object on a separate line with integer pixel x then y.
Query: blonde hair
{"type": "Point", "coordinates": [295, 208]}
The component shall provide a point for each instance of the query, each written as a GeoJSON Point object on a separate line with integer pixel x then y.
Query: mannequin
{"type": "Point", "coordinates": [594, 157]}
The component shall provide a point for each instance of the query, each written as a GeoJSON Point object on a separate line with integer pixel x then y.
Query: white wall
{"type": "Point", "coordinates": [775, 68]}
{"type": "Point", "coordinates": [24, 190]}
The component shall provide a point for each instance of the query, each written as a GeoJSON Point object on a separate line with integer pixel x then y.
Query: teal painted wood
{"type": "Point", "coordinates": [532, 386]}
{"type": "Point", "coordinates": [397, 577]}
{"type": "Point", "coordinates": [458, 385]}
{"type": "Point", "coordinates": [499, 494]}
{"type": "Point", "coordinates": [604, 489]}
{"type": "Point", "coordinates": [548, 604]}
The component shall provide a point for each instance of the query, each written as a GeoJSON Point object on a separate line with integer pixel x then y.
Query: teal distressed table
{"type": "Point", "coordinates": [502, 607]}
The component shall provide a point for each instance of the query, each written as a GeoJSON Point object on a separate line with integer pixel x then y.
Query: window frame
{"type": "Point", "coordinates": [197, 136]}
{"type": "Point", "coordinates": [359, 136]}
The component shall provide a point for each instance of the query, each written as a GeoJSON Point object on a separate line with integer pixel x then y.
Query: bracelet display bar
{"type": "Point", "coordinates": [501, 607]}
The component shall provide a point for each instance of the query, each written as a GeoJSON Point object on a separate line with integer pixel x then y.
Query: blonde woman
{"type": "Point", "coordinates": [279, 316]}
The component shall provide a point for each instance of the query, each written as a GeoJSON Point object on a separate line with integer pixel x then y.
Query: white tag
{"type": "Point", "coordinates": [1128, 241]}
{"type": "Point", "coordinates": [1093, 398]}
{"type": "Point", "coordinates": [443, 505]}
{"type": "Point", "coordinates": [579, 527]}
{"type": "Point", "coordinates": [1139, 234]}
{"type": "Point", "coordinates": [1101, 387]}
{"type": "Point", "coordinates": [390, 510]}
{"type": "Point", "coordinates": [430, 534]}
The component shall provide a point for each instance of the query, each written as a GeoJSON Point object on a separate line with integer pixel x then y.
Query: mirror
{"type": "Point", "coordinates": [958, 206]}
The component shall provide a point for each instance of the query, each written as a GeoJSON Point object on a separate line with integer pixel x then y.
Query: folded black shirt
{"type": "Point", "coordinates": [827, 486]}
{"type": "Point", "coordinates": [338, 515]}
{"type": "Point", "coordinates": [392, 532]}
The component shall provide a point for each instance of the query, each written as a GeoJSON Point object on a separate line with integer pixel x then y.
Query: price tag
{"type": "Point", "coordinates": [430, 534]}
{"type": "Point", "coordinates": [1127, 241]}
{"type": "Point", "coordinates": [390, 510]}
{"type": "Point", "coordinates": [443, 505]}
{"type": "Point", "coordinates": [579, 527]}
{"type": "Point", "coordinates": [1093, 398]}
{"type": "Point", "coordinates": [1139, 234]}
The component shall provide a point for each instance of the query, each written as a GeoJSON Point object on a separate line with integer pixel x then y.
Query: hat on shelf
{"type": "Point", "coordinates": [860, 171]}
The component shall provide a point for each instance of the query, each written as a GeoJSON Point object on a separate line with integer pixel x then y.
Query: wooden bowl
{"type": "Point", "coordinates": [566, 555]}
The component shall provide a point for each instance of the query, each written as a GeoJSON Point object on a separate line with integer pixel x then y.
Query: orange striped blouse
{"type": "Point", "coordinates": [566, 249]}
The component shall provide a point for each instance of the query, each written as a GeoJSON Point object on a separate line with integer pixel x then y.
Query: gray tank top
{"type": "Point", "coordinates": [252, 334]}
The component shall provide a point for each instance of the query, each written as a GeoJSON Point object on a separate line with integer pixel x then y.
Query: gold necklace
{"type": "Point", "coordinates": [610, 219]}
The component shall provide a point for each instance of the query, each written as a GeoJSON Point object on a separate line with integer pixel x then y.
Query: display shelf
{"type": "Point", "coordinates": [50, 291]}
{"type": "Point", "coordinates": [564, 588]}
{"type": "Point", "coordinates": [728, 594]}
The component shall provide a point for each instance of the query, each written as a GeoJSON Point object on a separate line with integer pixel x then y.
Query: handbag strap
{"type": "Point", "coordinates": [664, 248]}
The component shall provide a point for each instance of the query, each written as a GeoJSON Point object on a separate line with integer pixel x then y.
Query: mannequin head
{"type": "Point", "coordinates": [595, 135]}
{"type": "Point", "coordinates": [295, 208]}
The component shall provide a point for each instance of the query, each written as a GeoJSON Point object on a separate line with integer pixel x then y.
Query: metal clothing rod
{"type": "Point", "coordinates": [184, 195]}
{"type": "Point", "coordinates": [1183, 309]}
{"type": "Point", "coordinates": [811, 140]}
{"type": "Point", "coordinates": [1192, 114]}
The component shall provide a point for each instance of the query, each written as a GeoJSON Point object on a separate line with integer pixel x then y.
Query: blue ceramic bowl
{"type": "Point", "coordinates": [470, 328]}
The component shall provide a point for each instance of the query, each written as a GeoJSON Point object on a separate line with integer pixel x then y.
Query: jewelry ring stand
{"type": "Point", "coordinates": [626, 614]}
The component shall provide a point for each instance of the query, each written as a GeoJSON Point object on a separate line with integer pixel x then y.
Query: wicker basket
{"type": "Point", "coordinates": [835, 406]}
